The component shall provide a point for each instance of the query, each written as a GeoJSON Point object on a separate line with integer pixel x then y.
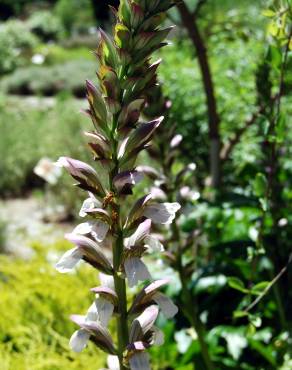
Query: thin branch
{"type": "Point", "coordinates": [269, 286]}
{"type": "Point", "coordinates": [213, 117]}
{"type": "Point", "coordinates": [229, 146]}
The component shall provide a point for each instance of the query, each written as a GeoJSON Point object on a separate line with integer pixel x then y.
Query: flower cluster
{"type": "Point", "coordinates": [111, 222]}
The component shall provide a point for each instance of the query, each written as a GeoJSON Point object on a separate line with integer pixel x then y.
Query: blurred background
{"type": "Point", "coordinates": [221, 75]}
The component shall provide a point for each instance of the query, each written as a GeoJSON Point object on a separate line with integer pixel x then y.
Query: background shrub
{"type": "Point", "coordinates": [16, 45]}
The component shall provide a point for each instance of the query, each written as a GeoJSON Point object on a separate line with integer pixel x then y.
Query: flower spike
{"type": "Point", "coordinates": [113, 238]}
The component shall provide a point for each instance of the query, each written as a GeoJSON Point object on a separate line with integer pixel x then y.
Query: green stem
{"type": "Point", "coordinates": [190, 307]}
{"type": "Point", "coordinates": [119, 280]}
{"type": "Point", "coordinates": [122, 318]}
{"type": "Point", "coordinates": [191, 311]}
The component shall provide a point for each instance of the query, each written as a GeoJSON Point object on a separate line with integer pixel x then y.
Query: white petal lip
{"type": "Point", "coordinates": [153, 243]}
{"type": "Point", "coordinates": [88, 204]}
{"type": "Point", "coordinates": [92, 314]}
{"type": "Point", "coordinates": [139, 361]}
{"type": "Point", "coordinates": [158, 337]}
{"type": "Point", "coordinates": [69, 260]}
{"type": "Point", "coordinates": [105, 310]}
{"type": "Point", "coordinates": [161, 213]}
{"type": "Point", "coordinates": [107, 281]}
{"type": "Point", "coordinates": [168, 308]}
{"type": "Point", "coordinates": [98, 229]}
{"type": "Point", "coordinates": [113, 362]}
{"type": "Point", "coordinates": [136, 271]}
{"type": "Point", "coordinates": [79, 340]}
{"type": "Point", "coordinates": [142, 231]}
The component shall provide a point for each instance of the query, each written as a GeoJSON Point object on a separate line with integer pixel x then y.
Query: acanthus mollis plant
{"type": "Point", "coordinates": [175, 182]}
{"type": "Point", "coordinates": [125, 74]}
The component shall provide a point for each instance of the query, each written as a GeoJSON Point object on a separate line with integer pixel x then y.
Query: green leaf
{"type": "Point", "coordinates": [237, 284]}
{"type": "Point", "coordinates": [268, 13]}
{"type": "Point", "coordinates": [260, 185]}
{"type": "Point", "coordinates": [260, 287]}
{"type": "Point", "coordinates": [239, 314]}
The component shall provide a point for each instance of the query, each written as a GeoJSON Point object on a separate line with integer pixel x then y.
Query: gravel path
{"type": "Point", "coordinates": [24, 224]}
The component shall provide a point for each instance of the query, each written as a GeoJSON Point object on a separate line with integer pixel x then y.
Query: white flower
{"type": "Point", "coordinates": [69, 260]}
{"type": "Point", "coordinates": [153, 243]}
{"type": "Point", "coordinates": [176, 140]}
{"type": "Point", "coordinates": [168, 308]}
{"type": "Point", "coordinates": [139, 361]}
{"type": "Point", "coordinates": [158, 337]}
{"type": "Point", "coordinates": [38, 59]}
{"type": "Point", "coordinates": [97, 228]}
{"type": "Point", "coordinates": [105, 310]}
{"type": "Point", "coordinates": [79, 340]}
{"type": "Point", "coordinates": [136, 271]}
{"type": "Point", "coordinates": [157, 193]}
{"type": "Point", "coordinates": [89, 204]}
{"type": "Point", "coordinates": [141, 232]}
{"type": "Point", "coordinates": [187, 193]}
{"type": "Point", "coordinates": [107, 281]}
{"type": "Point", "coordinates": [113, 362]}
{"type": "Point", "coordinates": [161, 213]}
{"type": "Point", "coordinates": [47, 170]}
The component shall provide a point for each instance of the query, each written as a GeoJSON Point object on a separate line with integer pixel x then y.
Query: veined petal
{"type": "Point", "coordinates": [100, 230]}
{"type": "Point", "coordinates": [104, 310]}
{"type": "Point", "coordinates": [136, 270]}
{"type": "Point", "coordinates": [92, 314]}
{"type": "Point", "coordinates": [161, 213]}
{"type": "Point", "coordinates": [69, 260]}
{"type": "Point", "coordinates": [139, 361]}
{"type": "Point", "coordinates": [79, 340]}
{"type": "Point", "coordinates": [168, 308]}
{"type": "Point", "coordinates": [142, 231]}
{"type": "Point", "coordinates": [97, 228]}
{"type": "Point", "coordinates": [153, 243]}
{"type": "Point", "coordinates": [158, 337]}
{"type": "Point", "coordinates": [89, 204]}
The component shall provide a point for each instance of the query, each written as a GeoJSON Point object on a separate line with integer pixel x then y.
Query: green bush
{"type": "Point", "coordinates": [45, 25]}
{"type": "Point", "coordinates": [30, 131]}
{"type": "Point", "coordinates": [75, 15]}
{"type": "Point", "coordinates": [16, 45]}
{"type": "Point", "coordinates": [35, 304]}
{"type": "Point", "coordinates": [49, 80]}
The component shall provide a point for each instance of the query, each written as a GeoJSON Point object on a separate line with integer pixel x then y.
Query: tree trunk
{"type": "Point", "coordinates": [213, 118]}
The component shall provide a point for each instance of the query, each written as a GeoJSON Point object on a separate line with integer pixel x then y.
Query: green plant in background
{"type": "Point", "coordinates": [172, 180]}
{"type": "Point", "coordinates": [125, 76]}
{"type": "Point", "coordinates": [16, 44]}
{"type": "Point", "coordinates": [75, 15]}
{"type": "Point", "coordinates": [45, 25]}
{"type": "Point", "coordinates": [34, 331]}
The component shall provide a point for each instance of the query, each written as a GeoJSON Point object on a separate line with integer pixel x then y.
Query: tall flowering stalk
{"type": "Point", "coordinates": [125, 74]}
